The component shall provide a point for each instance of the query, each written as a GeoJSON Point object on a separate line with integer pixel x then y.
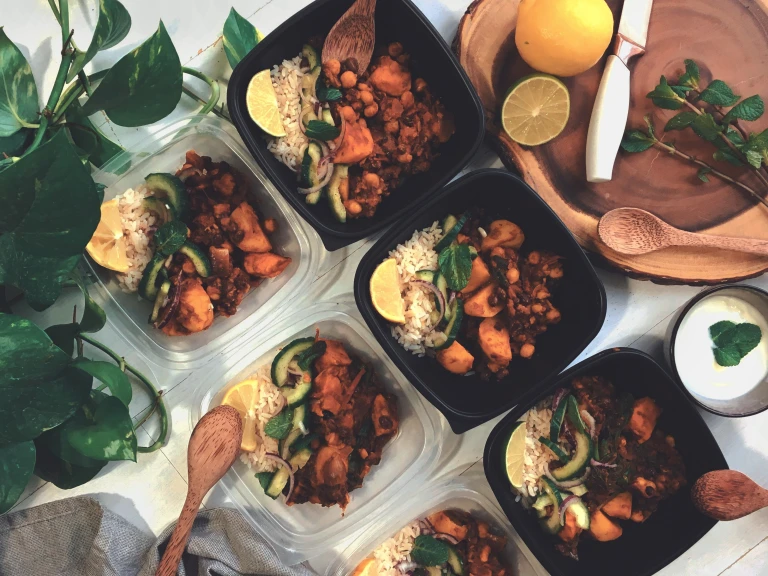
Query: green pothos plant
{"type": "Point", "coordinates": [53, 421]}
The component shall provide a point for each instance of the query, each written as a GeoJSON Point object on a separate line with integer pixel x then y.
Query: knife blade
{"type": "Point", "coordinates": [611, 109]}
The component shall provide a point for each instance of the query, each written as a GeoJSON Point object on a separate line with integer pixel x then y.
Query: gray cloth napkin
{"type": "Point", "coordinates": [78, 537]}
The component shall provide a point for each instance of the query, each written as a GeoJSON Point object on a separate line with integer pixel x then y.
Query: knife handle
{"type": "Point", "coordinates": [609, 119]}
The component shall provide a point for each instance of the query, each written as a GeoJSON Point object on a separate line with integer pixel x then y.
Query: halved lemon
{"type": "Point", "coordinates": [261, 100]}
{"type": "Point", "coordinates": [244, 398]}
{"type": "Point", "coordinates": [514, 455]}
{"type": "Point", "coordinates": [107, 245]}
{"type": "Point", "coordinates": [536, 109]}
{"type": "Point", "coordinates": [385, 292]}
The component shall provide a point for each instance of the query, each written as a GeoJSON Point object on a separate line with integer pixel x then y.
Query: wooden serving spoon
{"type": "Point", "coordinates": [728, 495]}
{"type": "Point", "coordinates": [353, 36]}
{"type": "Point", "coordinates": [213, 448]}
{"type": "Point", "coordinates": [635, 231]}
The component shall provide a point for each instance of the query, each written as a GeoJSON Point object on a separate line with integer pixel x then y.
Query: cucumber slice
{"type": "Point", "coordinates": [296, 396]}
{"type": "Point", "coordinates": [340, 172]}
{"type": "Point", "coordinates": [426, 275]}
{"type": "Point", "coordinates": [557, 419]}
{"type": "Point", "coordinates": [304, 442]}
{"type": "Point", "coordinates": [309, 81]}
{"type": "Point", "coordinates": [448, 223]}
{"type": "Point", "coordinates": [579, 460]}
{"type": "Point", "coordinates": [579, 509]}
{"type": "Point", "coordinates": [278, 483]}
{"type": "Point", "coordinates": [148, 286]}
{"type": "Point", "coordinates": [199, 258]}
{"type": "Point", "coordinates": [301, 416]}
{"type": "Point", "coordinates": [449, 235]}
{"type": "Point", "coordinates": [286, 444]}
{"type": "Point", "coordinates": [279, 371]}
{"type": "Point", "coordinates": [572, 411]}
{"type": "Point", "coordinates": [551, 524]}
{"type": "Point", "coordinates": [559, 452]}
{"type": "Point", "coordinates": [579, 490]}
{"type": "Point", "coordinates": [163, 211]}
{"type": "Point", "coordinates": [311, 55]}
{"type": "Point", "coordinates": [312, 156]}
{"type": "Point", "coordinates": [541, 503]}
{"type": "Point", "coordinates": [328, 117]}
{"type": "Point", "coordinates": [162, 294]}
{"type": "Point", "coordinates": [300, 459]}
{"type": "Point", "coordinates": [171, 188]}
{"type": "Point", "coordinates": [454, 324]}
{"type": "Point", "coordinates": [455, 561]}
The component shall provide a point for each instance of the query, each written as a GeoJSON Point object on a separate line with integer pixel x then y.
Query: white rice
{"type": "Point", "coordinates": [270, 403]}
{"type": "Point", "coordinates": [139, 225]}
{"type": "Point", "coordinates": [395, 550]}
{"type": "Point", "coordinates": [537, 455]}
{"type": "Point", "coordinates": [286, 80]}
{"type": "Point", "coordinates": [416, 254]}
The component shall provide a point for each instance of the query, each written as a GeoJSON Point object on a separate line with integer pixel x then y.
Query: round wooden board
{"type": "Point", "coordinates": [729, 41]}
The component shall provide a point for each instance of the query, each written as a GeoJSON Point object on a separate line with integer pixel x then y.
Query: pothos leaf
{"type": "Point", "coordinates": [704, 126]}
{"type": "Point", "coordinates": [143, 87]}
{"type": "Point", "coordinates": [19, 106]}
{"type": "Point", "coordinates": [109, 374]}
{"type": "Point", "coordinates": [56, 441]}
{"type": "Point", "coordinates": [636, 141]}
{"type": "Point", "coordinates": [665, 97]}
{"type": "Point", "coordinates": [63, 335]}
{"type": "Point", "coordinates": [14, 144]}
{"type": "Point", "coordinates": [680, 121]}
{"type": "Point", "coordinates": [718, 93]}
{"type": "Point", "coordinates": [749, 109]}
{"type": "Point", "coordinates": [84, 134]}
{"type": "Point", "coordinates": [691, 76]}
{"type": "Point", "coordinates": [17, 461]}
{"type": "Point", "coordinates": [60, 473]}
{"type": "Point", "coordinates": [94, 318]}
{"type": "Point", "coordinates": [240, 37]}
{"type": "Point", "coordinates": [111, 435]}
{"type": "Point", "coordinates": [113, 25]}
{"type": "Point", "coordinates": [702, 173]}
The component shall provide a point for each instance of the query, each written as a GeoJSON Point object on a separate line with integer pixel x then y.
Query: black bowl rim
{"type": "Point", "coordinates": [332, 239]}
{"type": "Point", "coordinates": [673, 338]}
{"type": "Point", "coordinates": [520, 409]}
{"type": "Point", "coordinates": [462, 422]}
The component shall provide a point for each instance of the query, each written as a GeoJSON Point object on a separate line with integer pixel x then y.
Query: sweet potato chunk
{"type": "Point", "coordinates": [644, 415]}
{"type": "Point", "coordinates": [247, 224]}
{"type": "Point", "coordinates": [639, 516]}
{"type": "Point", "coordinates": [571, 529]}
{"type": "Point", "coordinates": [602, 528]}
{"type": "Point", "coordinates": [444, 523]}
{"type": "Point", "coordinates": [479, 276]}
{"type": "Point", "coordinates": [265, 265]}
{"type": "Point", "coordinates": [357, 145]}
{"type": "Point", "coordinates": [456, 359]}
{"type": "Point", "coordinates": [478, 304]}
{"type": "Point", "coordinates": [494, 340]}
{"type": "Point", "coordinates": [503, 233]}
{"type": "Point", "coordinates": [619, 506]}
{"type": "Point", "coordinates": [195, 309]}
{"type": "Point", "coordinates": [391, 77]}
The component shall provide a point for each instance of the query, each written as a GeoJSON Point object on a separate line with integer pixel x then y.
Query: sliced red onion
{"type": "Point", "coordinates": [565, 484]}
{"type": "Point", "coordinates": [426, 527]}
{"type": "Point", "coordinates": [434, 289]}
{"type": "Point", "coordinates": [559, 395]}
{"type": "Point", "coordinates": [302, 426]}
{"type": "Point", "coordinates": [601, 464]}
{"type": "Point", "coordinates": [447, 537]}
{"type": "Point", "coordinates": [174, 300]}
{"type": "Point", "coordinates": [324, 150]}
{"type": "Point", "coordinates": [287, 466]}
{"type": "Point", "coordinates": [324, 166]}
{"type": "Point", "coordinates": [451, 298]}
{"type": "Point", "coordinates": [406, 567]}
{"type": "Point", "coordinates": [565, 504]}
{"type": "Point", "coordinates": [340, 139]}
{"type": "Point", "coordinates": [323, 184]}
{"type": "Point", "coordinates": [590, 422]}
{"type": "Point", "coordinates": [184, 174]}
{"type": "Point", "coordinates": [318, 108]}
{"type": "Point", "coordinates": [304, 111]}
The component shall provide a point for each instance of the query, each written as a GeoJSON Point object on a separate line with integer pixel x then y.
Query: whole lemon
{"type": "Point", "coordinates": [563, 37]}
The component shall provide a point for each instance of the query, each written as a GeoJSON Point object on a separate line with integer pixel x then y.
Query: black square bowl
{"type": "Point", "coordinates": [468, 401]}
{"type": "Point", "coordinates": [396, 20]}
{"type": "Point", "coordinates": [645, 548]}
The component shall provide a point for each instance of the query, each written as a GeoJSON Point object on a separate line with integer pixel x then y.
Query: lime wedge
{"type": "Point", "coordinates": [261, 100]}
{"type": "Point", "coordinates": [536, 109]}
{"type": "Point", "coordinates": [514, 455]}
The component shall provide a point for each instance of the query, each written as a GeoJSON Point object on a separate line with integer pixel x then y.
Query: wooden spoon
{"type": "Point", "coordinates": [353, 36]}
{"type": "Point", "coordinates": [635, 231]}
{"type": "Point", "coordinates": [728, 495]}
{"type": "Point", "coordinates": [213, 448]}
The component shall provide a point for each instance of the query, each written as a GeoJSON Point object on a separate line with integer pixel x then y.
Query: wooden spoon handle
{"type": "Point", "coordinates": [363, 7]}
{"type": "Point", "coordinates": [748, 245]}
{"type": "Point", "coordinates": [178, 542]}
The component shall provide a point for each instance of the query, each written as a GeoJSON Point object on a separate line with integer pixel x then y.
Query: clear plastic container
{"type": "Point", "coordinates": [458, 493]}
{"type": "Point", "coordinates": [303, 531]}
{"type": "Point", "coordinates": [164, 152]}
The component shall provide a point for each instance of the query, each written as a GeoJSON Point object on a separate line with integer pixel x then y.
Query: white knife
{"type": "Point", "coordinates": [609, 116]}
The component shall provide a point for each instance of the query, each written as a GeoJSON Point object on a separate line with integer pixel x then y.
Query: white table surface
{"type": "Point", "coordinates": [150, 493]}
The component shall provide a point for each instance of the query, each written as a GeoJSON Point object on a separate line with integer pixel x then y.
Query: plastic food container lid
{"type": "Point", "coordinates": [165, 152]}
{"type": "Point", "coordinates": [303, 531]}
{"type": "Point", "coordinates": [461, 493]}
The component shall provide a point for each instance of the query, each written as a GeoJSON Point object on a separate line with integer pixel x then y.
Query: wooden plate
{"type": "Point", "coordinates": [729, 41]}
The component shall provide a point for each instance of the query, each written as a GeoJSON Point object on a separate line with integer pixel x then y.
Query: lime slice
{"type": "Point", "coordinates": [261, 100]}
{"type": "Point", "coordinates": [514, 456]}
{"type": "Point", "coordinates": [536, 109]}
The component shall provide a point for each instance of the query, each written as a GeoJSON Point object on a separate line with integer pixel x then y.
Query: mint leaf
{"type": "Point", "coordinates": [745, 337]}
{"type": "Point", "coordinates": [757, 143]}
{"type": "Point", "coordinates": [727, 356]}
{"type": "Point", "coordinates": [636, 141]}
{"type": "Point", "coordinates": [455, 263]}
{"type": "Point", "coordinates": [702, 173]}
{"type": "Point", "coordinates": [428, 551]}
{"type": "Point", "coordinates": [719, 328]}
{"type": "Point", "coordinates": [681, 121]}
{"type": "Point", "coordinates": [691, 76]}
{"type": "Point", "coordinates": [718, 93]}
{"type": "Point", "coordinates": [264, 478]}
{"type": "Point", "coordinates": [665, 97]}
{"type": "Point", "coordinates": [279, 426]}
{"type": "Point", "coordinates": [170, 237]}
{"type": "Point", "coordinates": [727, 155]}
{"type": "Point", "coordinates": [326, 93]}
{"type": "Point", "coordinates": [319, 130]}
{"type": "Point", "coordinates": [749, 109]}
{"type": "Point", "coordinates": [704, 126]}
{"type": "Point", "coordinates": [735, 137]}
{"type": "Point", "coordinates": [733, 341]}
{"type": "Point", "coordinates": [755, 159]}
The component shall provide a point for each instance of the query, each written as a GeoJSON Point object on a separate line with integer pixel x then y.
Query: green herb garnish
{"type": "Point", "coordinates": [308, 356]}
{"type": "Point", "coordinates": [170, 237]}
{"type": "Point", "coordinates": [428, 551]}
{"type": "Point", "coordinates": [279, 426]}
{"type": "Point", "coordinates": [264, 479]}
{"type": "Point", "coordinates": [733, 341]}
{"type": "Point", "coordinates": [319, 130]}
{"type": "Point", "coordinates": [455, 263]}
{"type": "Point", "coordinates": [326, 93]}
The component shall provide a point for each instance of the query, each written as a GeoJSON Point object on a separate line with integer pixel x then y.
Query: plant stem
{"type": "Point", "coordinates": [215, 89]}
{"type": "Point", "coordinates": [73, 92]}
{"type": "Point", "coordinates": [216, 111]}
{"type": "Point", "coordinates": [713, 171]}
{"type": "Point", "coordinates": [156, 395]}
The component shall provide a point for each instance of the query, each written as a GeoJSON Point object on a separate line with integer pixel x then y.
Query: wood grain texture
{"type": "Point", "coordinates": [728, 495]}
{"type": "Point", "coordinates": [729, 40]}
{"type": "Point", "coordinates": [213, 448]}
{"type": "Point", "coordinates": [353, 36]}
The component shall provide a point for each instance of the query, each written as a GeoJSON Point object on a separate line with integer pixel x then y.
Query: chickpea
{"type": "Point", "coordinates": [371, 110]}
{"type": "Point", "coordinates": [344, 189]}
{"type": "Point", "coordinates": [527, 350]}
{"type": "Point", "coordinates": [372, 180]}
{"type": "Point", "coordinates": [357, 106]}
{"type": "Point", "coordinates": [348, 79]}
{"type": "Point", "coordinates": [537, 308]}
{"type": "Point", "coordinates": [553, 315]}
{"type": "Point", "coordinates": [513, 275]}
{"type": "Point", "coordinates": [348, 113]}
{"type": "Point", "coordinates": [392, 127]}
{"type": "Point", "coordinates": [404, 59]}
{"type": "Point", "coordinates": [270, 225]}
{"type": "Point", "coordinates": [407, 100]}
{"type": "Point", "coordinates": [395, 49]}
{"type": "Point", "coordinates": [363, 87]}
{"type": "Point", "coordinates": [353, 206]}
{"type": "Point", "coordinates": [367, 98]}
{"type": "Point", "coordinates": [332, 67]}
{"type": "Point", "coordinates": [405, 158]}
{"type": "Point", "coordinates": [541, 294]}
{"type": "Point", "coordinates": [534, 258]}
{"type": "Point", "coordinates": [420, 85]}
{"type": "Point", "coordinates": [556, 273]}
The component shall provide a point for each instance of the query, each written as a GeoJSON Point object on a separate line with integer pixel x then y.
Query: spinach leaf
{"type": "Point", "coordinates": [170, 237]}
{"type": "Point", "coordinates": [90, 139]}
{"type": "Point", "coordinates": [19, 105]}
{"type": "Point", "coordinates": [455, 263]}
{"type": "Point", "coordinates": [264, 478]}
{"type": "Point", "coordinates": [113, 25]}
{"type": "Point", "coordinates": [17, 461]}
{"type": "Point", "coordinates": [279, 426]}
{"type": "Point", "coordinates": [733, 341]}
{"type": "Point", "coordinates": [143, 87]}
{"type": "Point", "coordinates": [60, 473]}
{"type": "Point", "coordinates": [319, 130]}
{"type": "Point", "coordinates": [94, 318]}
{"type": "Point", "coordinates": [108, 373]}
{"type": "Point", "coordinates": [428, 551]}
{"type": "Point", "coordinates": [110, 436]}
{"type": "Point", "coordinates": [240, 37]}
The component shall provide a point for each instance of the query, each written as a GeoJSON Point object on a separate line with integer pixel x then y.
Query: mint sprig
{"type": "Point", "coordinates": [733, 341]}
{"type": "Point", "coordinates": [428, 551]}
